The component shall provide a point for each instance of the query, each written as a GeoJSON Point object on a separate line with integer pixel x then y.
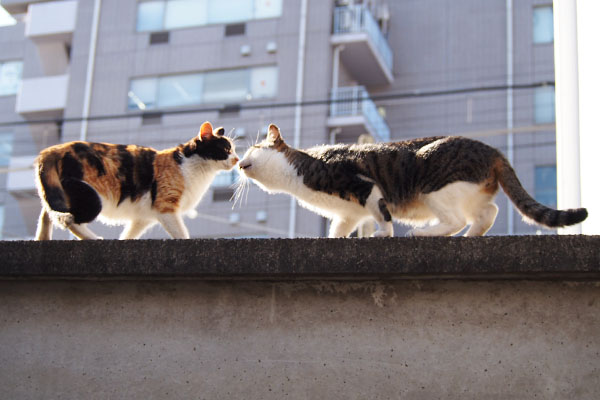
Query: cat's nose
{"type": "Point", "coordinates": [235, 160]}
{"type": "Point", "coordinates": [244, 164]}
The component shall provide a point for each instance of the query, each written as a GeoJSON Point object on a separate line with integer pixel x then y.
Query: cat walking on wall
{"type": "Point", "coordinates": [439, 185]}
{"type": "Point", "coordinates": [128, 185]}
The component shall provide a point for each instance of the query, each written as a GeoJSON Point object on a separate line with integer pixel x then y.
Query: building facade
{"type": "Point", "coordinates": [150, 72]}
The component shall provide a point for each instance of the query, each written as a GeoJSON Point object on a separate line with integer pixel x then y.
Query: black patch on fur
{"type": "Point", "coordinates": [384, 210]}
{"type": "Point", "coordinates": [85, 204]}
{"type": "Point", "coordinates": [55, 198]}
{"type": "Point", "coordinates": [93, 158]}
{"type": "Point", "coordinates": [153, 192]}
{"type": "Point", "coordinates": [136, 173]}
{"type": "Point", "coordinates": [216, 148]}
{"type": "Point", "coordinates": [53, 195]}
{"type": "Point", "coordinates": [178, 157]}
{"type": "Point", "coordinates": [575, 216]}
{"type": "Point", "coordinates": [71, 167]}
{"type": "Point", "coordinates": [333, 174]}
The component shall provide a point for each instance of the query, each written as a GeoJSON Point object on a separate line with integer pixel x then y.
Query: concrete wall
{"type": "Point", "coordinates": [298, 340]}
{"type": "Point", "coordinates": [510, 317]}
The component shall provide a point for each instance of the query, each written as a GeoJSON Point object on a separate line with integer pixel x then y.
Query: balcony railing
{"type": "Point", "coordinates": [358, 19]}
{"type": "Point", "coordinates": [354, 101]}
{"type": "Point", "coordinates": [44, 96]}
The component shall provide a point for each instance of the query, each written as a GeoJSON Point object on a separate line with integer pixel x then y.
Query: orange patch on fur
{"type": "Point", "coordinates": [490, 185]}
{"type": "Point", "coordinates": [169, 182]}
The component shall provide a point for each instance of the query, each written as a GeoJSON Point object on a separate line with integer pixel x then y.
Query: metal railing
{"type": "Point", "coordinates": [355, 101]}
{"type": "Point", "coordinates": [358, 18]}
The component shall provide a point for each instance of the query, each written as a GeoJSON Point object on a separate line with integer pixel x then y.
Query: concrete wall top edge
{"type": "Point", "coordinates": [494, 257]}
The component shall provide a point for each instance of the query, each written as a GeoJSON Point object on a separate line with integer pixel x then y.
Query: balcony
{"type": "Point", "coordinates": [354, 113]}
{"type": "Point", "coordinates": [366, 55]}
{"type": "Point", "coordinates": [44, 97]}
{"type": "Point", "coordinates": [17, 6]}
{"type": "Point", "coordinates": [52, 21]}
{"type": "Point", "coordinates": [50, 26]}
{"type": "Point", "coordinates": [20, 180]}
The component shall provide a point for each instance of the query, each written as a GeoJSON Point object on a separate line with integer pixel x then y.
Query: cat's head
{"type": "Point", "coordinates": [261, 161]}
{"type": "Point", "coordinates": [212, 145]}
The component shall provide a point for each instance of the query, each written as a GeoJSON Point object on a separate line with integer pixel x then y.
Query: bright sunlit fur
{"type": "Point", "coordinates": [129, 185]}
{"type": "Point", "coordinates": [339, 183]}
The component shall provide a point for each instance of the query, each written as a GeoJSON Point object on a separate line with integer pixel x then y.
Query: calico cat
{"type": "Point", "coordinates": [451, 180]}
{"type": "Point", "coordinates": [128, 184]}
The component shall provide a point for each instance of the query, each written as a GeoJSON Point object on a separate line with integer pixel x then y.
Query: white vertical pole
{"type": "Point", "coordinates": [298, 109]}
{"type": "Point", "coordinates": [567, 108]}
{"type": "Point", "coordinates": [588, 32]}
{"type": "Point", "coordinates": [509, 106]}
{"type": "Point", "coordinates": [89, 76]}
{"type": "Point", "coordinates": [335, 77]}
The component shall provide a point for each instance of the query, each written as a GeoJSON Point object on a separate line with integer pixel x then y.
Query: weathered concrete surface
{"type": "Point", "coordinates": [433, 318]}
{"type": "Point", "coordinates": [299, 340]}
{"type": "Point", "coordinates": [504, 257]}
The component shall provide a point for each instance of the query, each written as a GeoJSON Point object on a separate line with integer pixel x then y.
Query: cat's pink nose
{"type": "Point", "coordinates": [244, 164]}
{"type": "Point", "coordinates": [235, 160]}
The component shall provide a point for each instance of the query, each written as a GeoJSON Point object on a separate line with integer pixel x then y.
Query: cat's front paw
{"type": "Point", "coordinates": [191, 214]}
{"type": "Point", "coordinates": [411, 233]}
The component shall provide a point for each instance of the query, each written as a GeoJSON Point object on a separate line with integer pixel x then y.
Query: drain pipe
{"type": "Point", "coordinates": [566, 71]}
{"type": "Point", "coordinates": [509, 106]}
{"type": "Point", "coordinates": [298, 109]}
{"type": "Point", "coordinates": [90, 70]}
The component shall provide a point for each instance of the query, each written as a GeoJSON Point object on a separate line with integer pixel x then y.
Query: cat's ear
{"type": "Point", "coordinates": [206, 131]}
{"type": "Point", "coordinates": [220, 131]}
{"type": "Point", "coordinates": [274, 134]}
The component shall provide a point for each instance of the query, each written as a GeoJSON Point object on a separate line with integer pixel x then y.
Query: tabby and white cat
{"type": "Point", "coordinates": [128, 184]}
{"type": "Point", "coordinates": [449, 180]}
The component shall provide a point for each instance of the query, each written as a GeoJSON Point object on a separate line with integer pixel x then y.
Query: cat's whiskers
{"type": "Point", "coordinates": [242, 187]}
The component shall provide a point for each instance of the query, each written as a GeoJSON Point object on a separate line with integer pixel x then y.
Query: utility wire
{"type": "Point", "coordinates": [306, 103]}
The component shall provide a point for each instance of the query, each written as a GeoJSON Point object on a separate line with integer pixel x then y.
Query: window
{"type": "Point", "coordinates": [142, 93]}
{"type": "Point", "coordinates": [185, 13]}
{"type": "Point", "coordinates": [179, 90]}
{"type": "Point", "coordinates": [6, 147]}
{"type": "Point", "coordinates": [150, 16]}
{"type": "Point", "coordinates": [157, 15]}
{"type": "Point", "coordinates": [228, 86]}
{"type": "Point", "coordinates": [225, 179]}
{"type": "Point", "coordinates": [222, 185]}
{"type": "Point", "coordinates": [1, 220]}
{"type": "Point", "coordinates": [10, 77]}
{"type": "Point", "coordinates": [543, 107]}
{"type": "Point", "coordinates": [545, 185]}
{"type": "Point", "coordinates": [543, 25]}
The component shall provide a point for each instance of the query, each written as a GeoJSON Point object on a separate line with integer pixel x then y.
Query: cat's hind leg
{"type": "Point", "coordinates": [44, 227]}
{"type": "Point", "coordinates": [135, 229]}
{"type": "Point", "coordinates": [450, 217]}
{"type": "Point", "coordinates": [81, 231]}
{"type": "Point", "coordinates": [342, 227]}
{"type": "Point", "coordinates": [483, 221]}
{"type": "Point", "coordinates": [379, 210]}
{"type": "Point", "coordinates": [173, 224]}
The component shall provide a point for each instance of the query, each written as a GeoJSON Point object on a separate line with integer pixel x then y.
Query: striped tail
{"type": "Point", "coordinates": [529, 208]}
{"type": "Point", "coordinates": [49, 185]}
{"type": "Point", "coordinates": [69, 200]}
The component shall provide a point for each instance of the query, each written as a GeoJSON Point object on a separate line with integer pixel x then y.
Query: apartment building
{"type": "Point", "coordinates": [150, 72]}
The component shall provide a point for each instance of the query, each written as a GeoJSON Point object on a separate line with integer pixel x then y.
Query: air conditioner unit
{"type": "Point", "coordinates": [261, 216]}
